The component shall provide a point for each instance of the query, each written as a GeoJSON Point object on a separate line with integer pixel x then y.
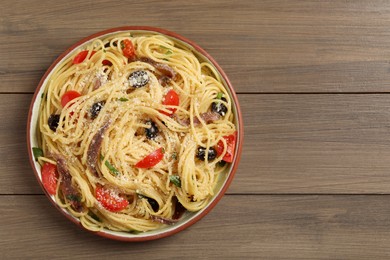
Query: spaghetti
{"type": "Point", "coordinates": [133, 129]}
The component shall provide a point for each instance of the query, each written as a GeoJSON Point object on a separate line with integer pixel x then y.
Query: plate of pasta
{"type": "Point", "coordinates": [134, 133]}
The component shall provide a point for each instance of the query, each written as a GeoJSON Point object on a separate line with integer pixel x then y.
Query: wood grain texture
{"type": "Point", "coordinates": [264, 46]}
{"type": "Point", "coordinates": [313, 81]}
{"type": "Point", "coordinates": [315, 144]}
{"type": "Point", "coordinates": [253, 227]}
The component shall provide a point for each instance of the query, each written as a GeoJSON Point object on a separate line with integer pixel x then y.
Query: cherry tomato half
{"type": "Point", "coordinates": [231, 145]}
{"type": "Point", "coordinates": [49, 177]}
{"type": "Point", "coordinates": [151, 160]}
{"type": "Point", "coordinates": [170, 99]}
{"type": "Point", "coordinates": [81, 56]}
{"type": "Point", "coordinates": [69, 96]}
{"type": "Point", "coordinates": [128, 48]}
{"type": "Point", "coordinates": [110, 200]}
{"type": "Point", "coordinates": [107, 62]}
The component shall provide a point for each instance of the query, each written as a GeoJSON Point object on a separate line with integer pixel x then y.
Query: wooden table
{"type": "Point", "coordinates": [313, 79]}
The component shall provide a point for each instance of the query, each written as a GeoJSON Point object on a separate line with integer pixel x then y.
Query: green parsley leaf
{"type": "Point", "coordinates": [175, 179]}
{"type": "Point", "coordinates": [168, 51]}
{"type": "Point", "coordinates": [219, 95]}
{"type": "Point", "coordinates": [123, 99]}
{"type": "Point", "coordinates": [110, 167]}
{"type": "Point", "coordinates": [73, 197]}
{"type": "Point", "coordinates": [38, 152]}
{"type": "Point", "coordinates": [94, 216]}
{"type": "Point", "coordinates": [174, 156]}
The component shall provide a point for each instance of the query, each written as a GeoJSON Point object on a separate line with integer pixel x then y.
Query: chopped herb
{"type": "Point", "coordinates": [174, 156]}
{"type": "Point", "coordinates": [94, 216]}
{"type": "Point", "coordinates": [110, 166]}
{"type": "Point", "coordinates": [131, 35]}
{"type": "Point", "coordinates": [162, 149]}
{"type": "Point", "coordinates": [104, 51]}
{"type": "Point", "coordinates": [38, 152]}
{"type": "Point", "coordinates": [175, 180]}
{"type": "Point", "coordinates": [73, 197]}
{"type": "Point", "coordinates": [43, 95]}
{"type": "Point", "coordinates": [123, 99]}
{"type": "Point", "coordinates": [135, 232]}
{"type": "Point", "coordinates": [219, 95]}
{"type": "Point", "coordinates": [168, 50]}
{"type": "Point", "coordinates": [165, 59]}
{"type": "Point", "coordinates": [122, 45]}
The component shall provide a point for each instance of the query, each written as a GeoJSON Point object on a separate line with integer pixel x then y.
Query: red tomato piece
{"type": "Point", "coordinates": [170, 99]}
{"type": "Point", "coordinates": [69, 96]}
{"type": "Point", "coordinates": [128, 48]}
{"type": "Point", "coordinates": [231, 146]}
{"type": "Point", "coordinates": [106, 62]}
{"type": "Point", "coordinates": [110, 200]}
{"type": "Point", "coordinates": [49, 178]}
{"type": "Point", "coordinates": [81, 56]}
{"type": "Point", "coordinates": [151, 160]}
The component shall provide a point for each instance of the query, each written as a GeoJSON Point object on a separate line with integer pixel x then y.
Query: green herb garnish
{"type": "Point", "coordinates": [168, 51]}
{"type": "Point", "coordinates": [175, 179]}
{"type": "Point", "coordinates": [122, 45]}
{"type": "Point", "coordinates": [94, 216]}
{"type": "Point", "coordinates": [219, 95]}
{"type": "Point", "coordinates": [123, 99]}
{"type": "Point", "coordinates": [73, 197]}
{"type": "Point", "coordinates": [110, 166]}
{"type": "Point", "coordinates": [38, 152]}
{"type": "Point", "coordinates": [174, 156]}
{"type": "Point", "coordinates": [43, 95]}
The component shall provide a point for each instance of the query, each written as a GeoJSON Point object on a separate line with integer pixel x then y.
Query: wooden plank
{"type": "Point", "coordinates": [293, 144]}
{"type": "Point", "coordinates": [315, 144]}
{"type": "Point", "coordinates": [16, 173]}
{"type": "Point", "coordinates": [264, 46]}
{"type": "Point", "coordinates": [253, 227]}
